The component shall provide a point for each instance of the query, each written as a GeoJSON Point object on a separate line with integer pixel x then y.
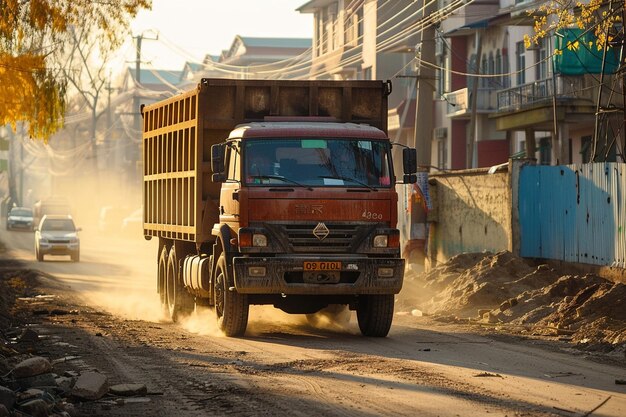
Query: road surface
{"type": "Point", "coordinates": [284, 366]}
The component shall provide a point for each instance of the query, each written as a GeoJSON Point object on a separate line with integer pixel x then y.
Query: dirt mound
{"type": "Point", "coordinates": [504, 289]}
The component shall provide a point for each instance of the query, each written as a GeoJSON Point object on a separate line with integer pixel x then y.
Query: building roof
{"type": "Point", "coordinates": [153, 78]}
{"type": "Point", "coordinates": [276, 42]}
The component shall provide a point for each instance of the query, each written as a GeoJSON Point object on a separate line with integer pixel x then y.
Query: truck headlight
{"type": "Point", "coordinates": [380, 241]}
{"type": "Point", "coordinates": [248, 239]}
{"type": "Point", "coordinates": [259, 240]}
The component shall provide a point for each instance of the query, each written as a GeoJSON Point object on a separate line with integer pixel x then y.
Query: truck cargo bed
{"type": "Point", "coordinates": [180, 200]}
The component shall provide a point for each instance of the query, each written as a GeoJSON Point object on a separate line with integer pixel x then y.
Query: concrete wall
{"type": "Point", "coordinates": [471, 213]}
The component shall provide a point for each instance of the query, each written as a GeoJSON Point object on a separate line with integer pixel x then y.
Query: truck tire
{"type": "Point", "coordinates": [375, 314]}
{"type": "Point", "coordinates": [179, 301]}
{"type": "Point", "coordinates": [162, 280]}
{"type": "Point", "coordinates": [231, 308]}
{"type": "Point", "coordinates": [39, 255]}
{"type": "Point", "coordinates": [75, 256]}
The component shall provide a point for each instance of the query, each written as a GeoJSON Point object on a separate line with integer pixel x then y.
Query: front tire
{"type": "Point", "coordinates": [231, 308]}
{"type": "Point", "coordinates": [75, 257]}
{"type": "Point", "coordinates": [179, 301]}
{"type": "Point", "coordinates": [375, 314]}
{"type": "Point", "coordinates": [39, 255]}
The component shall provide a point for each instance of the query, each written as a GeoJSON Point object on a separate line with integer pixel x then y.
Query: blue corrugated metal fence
{"type": "Point", "coordinates": [574, 213]}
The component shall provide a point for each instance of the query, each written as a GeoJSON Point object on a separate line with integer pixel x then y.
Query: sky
{"type": "Point", "coordinates": [190, 29]}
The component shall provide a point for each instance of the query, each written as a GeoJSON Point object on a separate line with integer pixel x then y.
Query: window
{"type": "Point", "coordinates": [484, 70]}
{"type": "Point", "coordinates": [498, 79]}
{"type": "Point", "coordinates": [318, 162]}
{"type": "Point", "coordinates": [232, 152]}
{"type": "Point", "coordinates": [471, 70]}
{"type": "Point", "coordinates": [545, 151]}
{"type": "Point", "coordinates": [520, 59]}
{"type": "Point", "coordinates": [443, 75]}
{"type": "Point", "coordinates": [491, 70]}
{"type": "Point", "coordinates": [542, 61]}
{"type": "Point", "coordinates": [367, 73]}
{"type": "Point", "coordinates": [585, 149]}
{"type": "Point", "coordinates": [442, 153]}
{"type": "Point", "coordinates": [506, 68]}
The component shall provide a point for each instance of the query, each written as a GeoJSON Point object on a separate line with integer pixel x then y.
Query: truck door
{"type": "Point", "coordinates": [229, 205]}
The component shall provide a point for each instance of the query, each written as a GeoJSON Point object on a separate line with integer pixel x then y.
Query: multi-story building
{"type": "Point", "coordinates": [494, 98]}
{"type": "Point", "coordinates": [368, 39]}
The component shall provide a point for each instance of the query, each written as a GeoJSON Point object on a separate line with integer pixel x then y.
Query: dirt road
{"type": "Point", "coordinates": [284, 366]}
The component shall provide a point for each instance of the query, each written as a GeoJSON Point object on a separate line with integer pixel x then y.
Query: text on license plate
{"type": "Point", "coordinates": [322, 266]}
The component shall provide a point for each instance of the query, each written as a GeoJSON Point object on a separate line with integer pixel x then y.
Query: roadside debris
{"type": "Point", "coordinates": [32, 384]}
{"type": "Point", "coordinates": [511, 294]}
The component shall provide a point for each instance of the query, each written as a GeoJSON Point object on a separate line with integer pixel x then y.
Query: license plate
{"type": "Point", "coordinates": [322, 266]}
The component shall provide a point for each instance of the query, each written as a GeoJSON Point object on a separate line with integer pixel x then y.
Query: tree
{"type": "Point", "coordinates": [33, 35]}
{"type": "Point", "coordinates": [600, 24]}
{"type": "Point", "coordinates": [601, 17]}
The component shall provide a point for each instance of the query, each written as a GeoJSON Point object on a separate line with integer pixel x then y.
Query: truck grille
{"type": "Point", "coordinates": [341, 238]}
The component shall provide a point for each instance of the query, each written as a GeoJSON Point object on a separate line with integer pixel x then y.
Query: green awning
{"type": "Point", "coordinates": [583, 55]}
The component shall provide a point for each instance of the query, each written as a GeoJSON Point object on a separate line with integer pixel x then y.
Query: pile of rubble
{"type": "Point", "coordinates": [504, 290]}
{"type": "Point", "coordinates": [34, 385]}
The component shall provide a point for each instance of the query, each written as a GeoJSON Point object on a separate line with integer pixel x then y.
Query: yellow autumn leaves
{"type": "Point", "coordinates": [32, 88]}
{"type": "Point", "coordinates": [593, 16]}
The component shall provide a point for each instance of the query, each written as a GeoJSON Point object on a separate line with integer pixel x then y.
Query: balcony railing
{"type": "Point", "coordinates": [539, 92]}
{"type": "Point", "coordinates": [460, 101]}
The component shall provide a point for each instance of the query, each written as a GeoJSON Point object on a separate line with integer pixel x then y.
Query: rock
{"type": "Point", "coordinates": [30, 394]}
{"type": "Point", "coordinates": [28, 336]}
{"type": "Point", "coordinates": [128, 390]}
{"type": "Point", "coordinates": [4, 412]}
{"type": "Point", "coordinates": [416, 313]}
{"type": "Point", "coordinates": [35, 408]}
{"type": "Point", "coordinates": [32, 367]}
{"type": "Point", "coordinates": [7, 398]}
{"type": "Point", "coordinates": [43, 380]}
{"type": "Point", "coordinates": [90, 386]}
{"type": "Point", "coordinates": [482, 312]}
{"type": "Point", "coordinates": [65, 383]}
{"type": "Point", "coordinates": [489, 317]}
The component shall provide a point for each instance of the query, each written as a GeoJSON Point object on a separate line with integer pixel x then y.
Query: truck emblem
{"type": "Point", "coordinates": [321, 231]}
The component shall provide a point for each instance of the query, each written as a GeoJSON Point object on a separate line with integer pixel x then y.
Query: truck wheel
{"type": "Point", "coordinates": [179, 301]}
{"type": "Point", "coordinates": [162, 280]}
{"type": "Point", "coordinates": [231, 308]}
{"type": "Point", "coordinates": [375, 314]}
{"type": "Point", "coordinates": [75, 257]}
{"type": "Point", "coordinates": [39, 255]}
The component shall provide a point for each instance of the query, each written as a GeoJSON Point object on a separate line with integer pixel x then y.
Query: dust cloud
{"type": "Point", "coordinates": [202, 322]}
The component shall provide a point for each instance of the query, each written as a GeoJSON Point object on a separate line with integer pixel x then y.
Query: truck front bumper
{"type": "Point", "coordinates": [287, 275]}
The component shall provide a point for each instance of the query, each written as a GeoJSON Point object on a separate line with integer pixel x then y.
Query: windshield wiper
{"type": "Point", "coordinates": [278, 177]}
{"type": "Point", "coordinates": [354, 180]}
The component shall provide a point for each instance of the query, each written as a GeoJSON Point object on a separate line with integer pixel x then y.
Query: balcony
{"type": "Point", "coordinates": [460, 102]}
{"type": "Point", "coordinates": [542, 92]}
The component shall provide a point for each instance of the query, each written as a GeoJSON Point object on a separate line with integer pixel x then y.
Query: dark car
{"type": "Point", "coordinates": [20, 218]}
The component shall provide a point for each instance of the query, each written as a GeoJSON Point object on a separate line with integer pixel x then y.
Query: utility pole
{"type": "Point", "coordinates": [137, 116]}
{"type": "Point", "coordinates": [425, 88]}
{"type": "Point", "coordinates": [139, 39]}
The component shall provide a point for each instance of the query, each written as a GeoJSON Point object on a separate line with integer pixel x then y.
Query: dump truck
{"type": "Point", "coordinates": [275, 192]}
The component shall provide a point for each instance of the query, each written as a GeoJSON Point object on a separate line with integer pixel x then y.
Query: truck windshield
{"type": "Point", "coordinates": [317, 162]}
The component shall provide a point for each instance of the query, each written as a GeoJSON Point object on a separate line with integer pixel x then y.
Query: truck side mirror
{"type": "Point", "coordinates": [409, 160]}
{"type": "Point", "coordinates": [217, 162]}
{"type": "Point", "coordinates": [409, 179]}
